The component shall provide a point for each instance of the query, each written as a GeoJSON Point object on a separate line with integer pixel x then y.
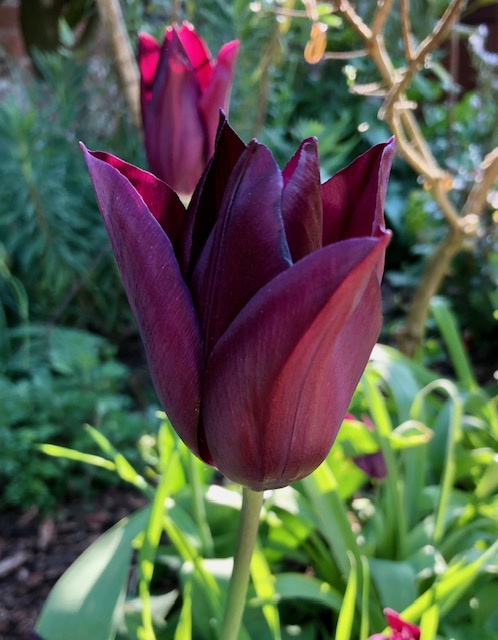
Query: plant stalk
{"type": "Point", "coordinates": [199, 507]}
{"type": "Point", "coordinates": [126, 67]}
{"type": "Point", "coordinates": [246, 540]}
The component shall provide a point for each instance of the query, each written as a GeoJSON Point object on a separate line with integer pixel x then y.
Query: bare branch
{"type": "Point", "coordinates": [355, 21]}
{"type": "Point", "coordinates": [126, 67]}
{"type": "Point", "coordinates": [345, 55]}
{"type": "Point", "coordinates": [440, 194]}
{"type": "Point", "coordinates": [380, 16]}
{"type": "Point", "coordinates": [430, 43]}
{"type": "Point", "coordinates": [311, 9]}
{"type": "Point", "coordinates": [370, 89]}
{"type": "Point", "coordinates": [435, 270]}
{"type": "Point", "coordinates": [483, 183]}
{"type": "Point", "coordinates": [406, 28]}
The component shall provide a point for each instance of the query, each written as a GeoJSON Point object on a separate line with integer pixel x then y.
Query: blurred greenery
{"type": "Point", "coordinates": [55, 382]}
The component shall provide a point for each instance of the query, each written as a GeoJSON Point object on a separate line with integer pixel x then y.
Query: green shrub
{"type": "Point", "coordinates": [58, 380]}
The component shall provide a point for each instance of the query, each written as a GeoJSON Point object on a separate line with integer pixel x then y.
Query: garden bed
{"type": "Point", "coordinates": [36, 550]}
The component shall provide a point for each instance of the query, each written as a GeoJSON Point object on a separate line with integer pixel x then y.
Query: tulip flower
{"type": "Point", "coordinates": [259, 304]}
{"type": "Point", "coordinates": [182, 91]}
{"type": "Point", "coordinates": [373, 464]}
{"type": "Point", "coordinates": [400, 629]}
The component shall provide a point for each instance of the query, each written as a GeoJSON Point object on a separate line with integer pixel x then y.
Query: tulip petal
{"type": "Point", "coordinates": [410, 631]}
{"type": "Point", "coordinates": [216, 93]}
{"type": "Point", "coordinates": [160, 199]}
{"type": "Point", "coordinates": [148, 58]}
{"type": "Point", "coordinates": [158, 296]}
{"type": "Point", "coordinates": [205, 204]}
{"type": "Point", "coordinates": [247, 247]}
{"type": "Point", "coordinates": [198, 54]}
{"type": "Point", "coordinates": [353, 199]}
{"type": "Point", "coordinates": [302, 201]}
{"type": "Point", "coordinates": [173, 129]}
{"type": "Point", "coordinates": [279, 381]}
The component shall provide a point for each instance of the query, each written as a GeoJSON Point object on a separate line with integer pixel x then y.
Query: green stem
{"type": "Point", "coordinates": [199, 508]}
{"type": "Point", "coordinates": [246, 539]}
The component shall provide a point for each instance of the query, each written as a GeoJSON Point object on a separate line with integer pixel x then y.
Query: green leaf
{"type": "Point", "coordinates": [87, 600]}
{"type": "Point", "coordinates": [183, 630]}
{"type": "Point", "coordinates": [71, 454]}
{"type": "Point", "coordinates": [451, 336]}
{"type": "Point", "coordinates": [429, 623]}
{"type": "Point", "coordinates": [297, 586]}
{"type": "Point", "coordinates": [264, 585]}
{"type": "Point", "coordinates": [395, 582]}
{"type": "Point", "coordinates": [347, 612]}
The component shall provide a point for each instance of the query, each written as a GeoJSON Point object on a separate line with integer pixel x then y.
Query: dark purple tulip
{"type": "Point", "coordinates": [373, 464]}
{"type": "Point", "coordinates": [182, 92]}
{"type": "Point", "coordinates": [400, 629]}
{"type": "Point", "coordinates": [259, 305]}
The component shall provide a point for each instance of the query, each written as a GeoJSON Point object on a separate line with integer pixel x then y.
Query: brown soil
{"type": "Point", "coordinates": [36, 550]}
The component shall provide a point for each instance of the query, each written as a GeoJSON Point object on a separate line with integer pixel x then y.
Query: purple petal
{"type": "Point", "coordinates": [373, 464]}
{"type": "Point", "coordinates": [160, 199]}
{"type": "Point", "coordinates": [148, 57]}
{"type": "Point", "coordinates": [205, 204]}
{"type": "Point", "coordinates": [247, 247]}
{"type": "Point", "coordinates": [198, 54]}
{"type": "Point", "coordinates": [216, 94]}
{"type": "Point", "coordinates": [157, 294]}
{"type": "Point", "coordinates": [302, 201]}
{"type": "Point", "coordinates": [173, 128]}
{"type": "Point", "coordinates": [353, 199]}
{"type": "Point", "coordinates": [279, 381]}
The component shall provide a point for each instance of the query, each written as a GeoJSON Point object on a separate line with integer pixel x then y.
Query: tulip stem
{"type": "Point", "coordinates": [246, 539]}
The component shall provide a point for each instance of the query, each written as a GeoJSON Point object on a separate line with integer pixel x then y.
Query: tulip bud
{"type": "Point", "coordinates": [182, 91]}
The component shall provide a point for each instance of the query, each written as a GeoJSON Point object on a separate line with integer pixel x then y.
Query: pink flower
{"type": "Point", "coordinates": [259, 305]}
{"type": "Point", "coordinates": [400, 629]}
{"type": "Point", "coordinates": [182, 92]}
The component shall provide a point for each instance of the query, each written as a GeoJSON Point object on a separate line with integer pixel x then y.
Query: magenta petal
{"type": "Point", "coordinates": [302, 201]}
{"type": "Point", "coordinates": [198, 54]}
{"type": "Point", "coordinates": [216, 94]}
{"type": "Point", "coordinates": [353, 199]}
{"type": "Point", "coordinates": [279, 381]}
{"type": "Point", "coordinates": [409, 631]}
{"type": "Point", "coordinates": [160, 199]}
{"type": "Point", "coordinates": [247, 246]}
{"type": "Point", "coordinates": [148, 57]}
{"type": "Point", "coordinates": [157, 294]}
{"type": "Point", "coordinates": [373, 464]}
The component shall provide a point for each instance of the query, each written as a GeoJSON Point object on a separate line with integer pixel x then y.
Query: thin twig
{"type": "Point", "coordinates": [483, 183]}
{"type": "Point", "coordinates": [380, 16]}
{"type": "Point", "coordinates": [434, 272]}
{"type": "Point", "coordinates": [430, 43]}
{"type": "Point", "coordinates": [126, 67]}
{"type": "Point", "coordinates": [345, 55]}
{"type": "Point", "coordinates": [406, 30]}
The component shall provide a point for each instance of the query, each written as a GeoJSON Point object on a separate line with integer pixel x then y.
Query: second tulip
{"type": "Point", "coordinates": [182, 91]}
